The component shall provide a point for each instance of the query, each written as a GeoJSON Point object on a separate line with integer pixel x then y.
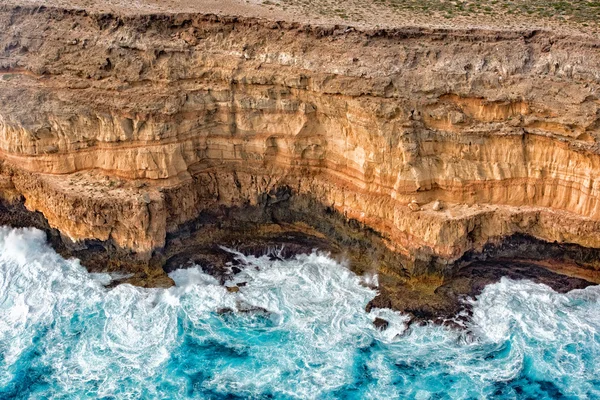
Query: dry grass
{"type": "Point", "coordinates": [585, 12]}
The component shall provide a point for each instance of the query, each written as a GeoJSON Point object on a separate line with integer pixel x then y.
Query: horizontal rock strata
{"type": "Point", "coordinates": [125, 129]}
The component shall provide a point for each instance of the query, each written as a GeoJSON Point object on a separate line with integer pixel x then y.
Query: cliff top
{"type": "Point", "coordinates": [578, 17]}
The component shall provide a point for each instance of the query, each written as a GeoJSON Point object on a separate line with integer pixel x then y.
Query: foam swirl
{"type": "Point", "coordinates": [295, 329]}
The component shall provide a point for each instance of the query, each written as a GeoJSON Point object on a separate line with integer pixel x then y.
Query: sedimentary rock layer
{"type": "Point", "coordinates": [123, 129]}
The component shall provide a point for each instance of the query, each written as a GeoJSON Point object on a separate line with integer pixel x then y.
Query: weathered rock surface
{"type": "Point", "coordinates": [126, 130]}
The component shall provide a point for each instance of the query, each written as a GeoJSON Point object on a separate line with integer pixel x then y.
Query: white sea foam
{"type": "Point", "coordinates": [296, 328]}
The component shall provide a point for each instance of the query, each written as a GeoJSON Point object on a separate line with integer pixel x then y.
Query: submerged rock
{"type": "Point", "coordinates": [381, 324]}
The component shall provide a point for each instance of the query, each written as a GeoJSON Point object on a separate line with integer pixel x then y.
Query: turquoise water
{"type": "Point", "coordinates": [298, 330]}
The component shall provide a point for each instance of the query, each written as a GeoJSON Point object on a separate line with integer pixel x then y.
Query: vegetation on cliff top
{"type": "Point", "coordinates": [584, 13]}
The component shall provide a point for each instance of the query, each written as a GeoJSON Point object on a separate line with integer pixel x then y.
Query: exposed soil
{"type": "Point", "coordinates": [572, 17]}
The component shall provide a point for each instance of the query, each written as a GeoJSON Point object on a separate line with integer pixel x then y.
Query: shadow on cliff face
{"type": "Point", "coordinates": [298, 224]}
{"type": "Point", "coordinates": [281, 220]}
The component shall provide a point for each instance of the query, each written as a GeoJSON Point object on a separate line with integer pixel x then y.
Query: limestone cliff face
{"type": "Point", "coordinates": [125, 128]}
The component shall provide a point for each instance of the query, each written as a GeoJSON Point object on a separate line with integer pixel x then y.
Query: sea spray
{"type": "Point", "coordinates": [296, 328]}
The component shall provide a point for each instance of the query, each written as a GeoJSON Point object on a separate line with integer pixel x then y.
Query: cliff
{"type": "Point", "coordinates": [125, 130]}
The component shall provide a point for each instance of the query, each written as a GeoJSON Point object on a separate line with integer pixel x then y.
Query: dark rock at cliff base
{"type": "Point", "coordinates": [441, 300]}
{"type": "Point", "coordinates": [381, 324]}
{"type": "Point", "coordinates": [282, 231]}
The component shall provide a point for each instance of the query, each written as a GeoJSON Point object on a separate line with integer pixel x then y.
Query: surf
{"type": "Point", "coordinates": [291, 328]}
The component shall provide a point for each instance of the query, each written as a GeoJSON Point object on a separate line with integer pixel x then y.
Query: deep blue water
{"type": "Point", "coordinates": [298, 330]}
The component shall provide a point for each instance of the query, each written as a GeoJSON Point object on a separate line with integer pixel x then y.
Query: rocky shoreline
{"type": "Point", "coordinates": [285, 225]}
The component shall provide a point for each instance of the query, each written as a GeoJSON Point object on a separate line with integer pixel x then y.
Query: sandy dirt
{"type": "Point", "coordinates": [568, 17]}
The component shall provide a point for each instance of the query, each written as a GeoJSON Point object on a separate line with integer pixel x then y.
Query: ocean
{"type": "Point", "coordinates": [296, 329]}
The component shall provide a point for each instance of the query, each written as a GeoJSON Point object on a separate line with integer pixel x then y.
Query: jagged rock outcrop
{"type": "Point", "coordinates": [123, 129]}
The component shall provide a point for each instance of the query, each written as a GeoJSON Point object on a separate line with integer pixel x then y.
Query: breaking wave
{"type": "Point", "coordinates": [295, 329]}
